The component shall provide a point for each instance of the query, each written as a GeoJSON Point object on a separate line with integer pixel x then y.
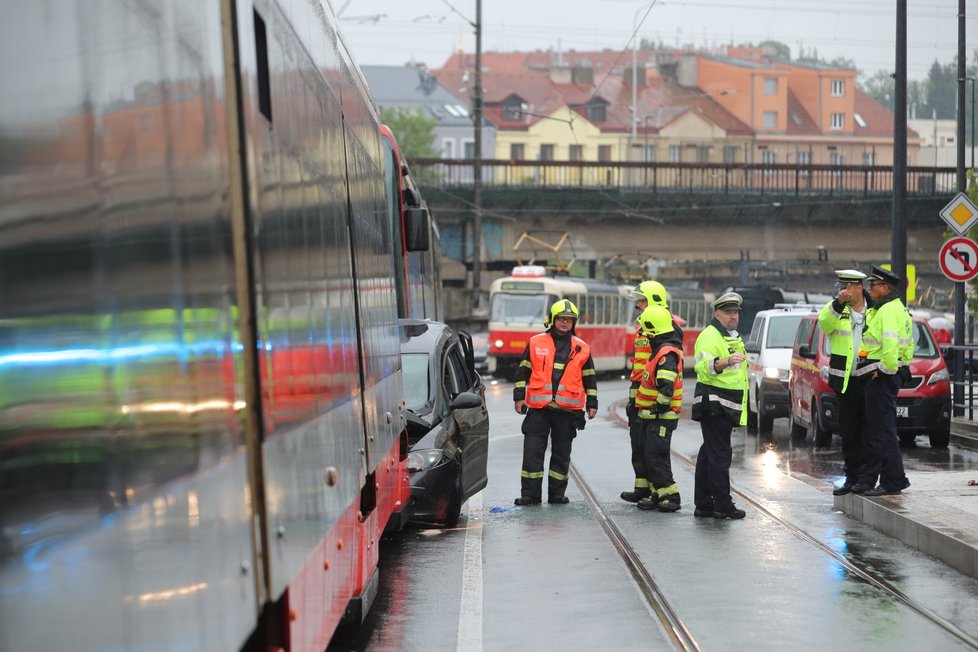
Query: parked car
{"type": "Point", "coordinates": [480, 351]}
{"type": "Point", "coordinates": [923, 404]}
{"type": "Point", "coordinates": [447, 420]}
{"type": "Point", "coordinates": [768, 360]}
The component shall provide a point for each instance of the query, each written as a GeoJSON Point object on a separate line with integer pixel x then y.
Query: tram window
{"type": "Point", "coordinates": [520, 308]}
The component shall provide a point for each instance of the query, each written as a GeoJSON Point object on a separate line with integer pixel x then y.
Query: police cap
{"type": "Point", "coordinates": [850, 276]}
{"type": "Point", "coordinates": [727, 301]}
{"type": "Point", "coordinates": [885, 275]}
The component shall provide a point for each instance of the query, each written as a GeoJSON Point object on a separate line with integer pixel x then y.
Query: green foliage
{"type": "Point", "coordinates": [778, 49]}
{"type": "Point", "coordinates": [414, 132]}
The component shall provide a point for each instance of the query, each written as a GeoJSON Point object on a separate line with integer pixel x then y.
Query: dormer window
{"type": "Point", "coordinates": [597, 110]}
{"type": "Point", "coordinates": [512, 108]}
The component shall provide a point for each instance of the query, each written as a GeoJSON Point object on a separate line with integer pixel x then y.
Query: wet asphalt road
{"type": "Point", "coordinates": [547, 577]}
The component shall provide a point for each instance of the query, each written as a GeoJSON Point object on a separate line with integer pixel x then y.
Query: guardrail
{"type": "Point", "coordinates": [965, 357]}
{"type": "Point", "coordinates": [748, 178]}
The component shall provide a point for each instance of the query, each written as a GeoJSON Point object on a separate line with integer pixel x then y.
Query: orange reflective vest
{"type": "Point", "coordinates": [643, 351]}
{"type": "Point", "coordinates": [570, 393]}
{"type": "Point", "coordinates": [648, 392]}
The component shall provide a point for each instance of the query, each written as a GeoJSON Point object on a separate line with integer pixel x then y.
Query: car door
{"type": "Point", "coordinates": [473, 423]}
{"type": "Point", "coordinates": [804, 371]}
{"type": "Point", "coordinates": [753, 348]}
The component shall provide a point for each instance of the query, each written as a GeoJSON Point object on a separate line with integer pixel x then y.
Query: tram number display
{"type": "Point", "coordinates": [903, 411]}
{"type": "Point", "coordinates": [528, 286]}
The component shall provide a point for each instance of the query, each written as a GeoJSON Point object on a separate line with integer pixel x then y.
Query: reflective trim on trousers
{"type": "Point", "coordinates": [730, 405]}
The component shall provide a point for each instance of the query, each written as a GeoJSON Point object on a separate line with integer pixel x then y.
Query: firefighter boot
{"type": "Point", "coordinates": [635, 495]}
{"type": "Point", "coordinates": [670, 503]}
{"type": "Point", "coordinates": [649, 502]}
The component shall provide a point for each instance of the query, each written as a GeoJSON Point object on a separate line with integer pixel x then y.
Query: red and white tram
{"type": "Point", "coordinates": [519, 304]}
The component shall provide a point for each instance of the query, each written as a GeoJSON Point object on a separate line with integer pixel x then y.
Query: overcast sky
{"type": "Point", "coordinates": [393, 32]}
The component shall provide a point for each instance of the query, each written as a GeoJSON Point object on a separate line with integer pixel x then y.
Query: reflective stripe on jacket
{"type": "Point", "coordinates": [888, 337]}
{"type": "Point", "coordinates": [725, 391]}
{"type": "Point", "coordinates": [662, 385]}
{"type": "Point", "coordinates": [643, 351]}
{"type": "Point", "coordinates": [837, 326]}
{"type": "Point", "coordinates": [570, 393]}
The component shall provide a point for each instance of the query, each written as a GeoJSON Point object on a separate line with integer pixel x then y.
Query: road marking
{"type": "Point", "coordinates": [470, 609]}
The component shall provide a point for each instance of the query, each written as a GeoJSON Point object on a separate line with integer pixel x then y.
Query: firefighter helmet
{"type": "Point", "coordinates": [652, 291]}
{"type": "Point", "coordinates": [562, 308]}
{"type": "Point", "coordinates": [656, 320]}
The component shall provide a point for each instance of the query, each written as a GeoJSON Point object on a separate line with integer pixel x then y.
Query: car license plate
{"type": "Point", "coordinates": [903, 411]}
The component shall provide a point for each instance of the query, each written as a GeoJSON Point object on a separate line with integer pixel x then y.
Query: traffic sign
{"type": "Point", "coordinates": [959, 259]}
{"type": "Point", "coordinates": [960, 214]}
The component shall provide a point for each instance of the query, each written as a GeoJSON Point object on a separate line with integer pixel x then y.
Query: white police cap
{"type": "Point", "coordinates": [727, 301]}
{"type": "Point", "coordinates": [850, 275]}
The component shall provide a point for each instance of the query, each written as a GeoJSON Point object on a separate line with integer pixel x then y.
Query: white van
{"type": "Point", "coordinates": [769, 359]}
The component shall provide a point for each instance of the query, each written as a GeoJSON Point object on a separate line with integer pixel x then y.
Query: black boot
{"type": "Point", "coordinates": [526, 500]}
{"type": "Point", "coordinates": [670, 503]}
{"type": "Point", "coordinates": [636, 495]}
{"type": "Point", "coordinates": [649, 503]}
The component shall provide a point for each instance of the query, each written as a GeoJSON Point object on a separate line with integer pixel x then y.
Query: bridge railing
{"type": "Point", "coordinates": [752, 178]}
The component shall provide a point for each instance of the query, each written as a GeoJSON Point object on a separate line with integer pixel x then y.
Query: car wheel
{"type": "Point", "coordinates": [908, 440]}
{"type": "Point", "coordinates": [798, 431]}
{"type": "Point", "coordinates": [454, 508]}
{"type": "Point", "coordinates": [765, 423]}
{"type": "Point", "coordinates": [940, 438]}
{"type": "Point", "coordinates": [822, 437]}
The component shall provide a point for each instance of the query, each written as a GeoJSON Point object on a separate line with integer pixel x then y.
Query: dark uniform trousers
{"type": "Point", "coordinates": [559, 427]}
{"type": "Point", "coordinates": [852, 424]}
{"type": "Point", "coordinates": [712, 489]}
{"type": "Point", "coordinates": [636, 436]}
{"type": "Point", "coordinates": [657, 445]}
{"type": "Point", "coordinates": [883, 459]}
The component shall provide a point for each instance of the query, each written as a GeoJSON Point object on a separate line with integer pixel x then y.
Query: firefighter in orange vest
{"type": "Point", "coordinates": [645, 294]}
{"type": "Point", "coordinates": [659, 401]}
{"type": "Point", "coordinates": [555, 386]}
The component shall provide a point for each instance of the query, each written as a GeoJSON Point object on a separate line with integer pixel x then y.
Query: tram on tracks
{"type": "Point", "coordinates": [519, 304]}
{"type": "Point", "coordinates": [205, 246]}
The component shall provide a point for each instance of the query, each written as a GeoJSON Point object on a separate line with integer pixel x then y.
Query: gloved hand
{"type": "Point", "coordinates": [630, 410]}
{"type": "Point", "coordinates": [659, 408]}
{"type": "Point", "coordinates": [905, 375]}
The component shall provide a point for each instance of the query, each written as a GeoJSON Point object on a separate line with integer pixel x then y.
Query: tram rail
{"type": "Point", "coordinates": [674, 627]}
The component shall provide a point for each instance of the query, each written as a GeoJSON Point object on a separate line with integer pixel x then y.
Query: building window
{"type": "Point", "coordinates": [448, 148]}
{"type": "Point", "coordinates": [597, 112]}
{"type": "Point", "coordinates": [675, 154]}
{"type": "Point", "coordinates": [730, 153]}
{"type": "Point", "coordinates": [835, 158]}
{"type": "Point", "coordinates": [649, 153]}
{"type": "Point", "coordinates": [769, 157]}
{"type": "Point", "coordinates": [604, 153]}
{"type": "Point", "coordinates": [838, 121]}
{"type": "Point", "coordinates": [512, 108]}
{"type": "Point", "coordinates": [516, 152]}
{"type": "Point", "coordinates": [703, 154]}
{"type": "Point", "coordinates": [468, 147]}
{"type": "Point", "coordinates": [770, 85]}
{"type": "Point", "coordinates": [804, 158]}
{"type": "Point", "coordinates": [838, 88]}
{"type": "Point", "coordinates": [869, 158]}
{"type": "Point", "coordinates": [546, 152]}
{"type": "Point", "coordinates": [576, 153]}
{"type": "Point", "coordinates": [770, 119]}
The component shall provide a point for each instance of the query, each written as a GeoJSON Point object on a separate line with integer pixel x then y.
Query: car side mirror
{"type": "Point", "coordinates": [805, 351]}
{"type": "Point", "coordinates": [752, 349]}
{"type": "Point", "coordinates": [465, 400]}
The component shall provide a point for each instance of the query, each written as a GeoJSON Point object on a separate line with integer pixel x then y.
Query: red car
{"type": "Point", "coordinates": [923, 404]}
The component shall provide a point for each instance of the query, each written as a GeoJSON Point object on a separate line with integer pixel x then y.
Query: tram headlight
{"type": "Point", "coordinates": [424, 459]}
{"type": "Point", "coordinates": [498, 344]}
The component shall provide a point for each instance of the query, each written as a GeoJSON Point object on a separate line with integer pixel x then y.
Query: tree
{"type": "Point", "coordinates": [777, 49]}
{"type": "Point", "coordinates": [414, 132]}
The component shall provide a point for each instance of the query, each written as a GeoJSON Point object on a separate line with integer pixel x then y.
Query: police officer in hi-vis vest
{"type": "Point", "coordinates": [884, 359]}
{"type": "Point", "coordinates": [555, 386]}
{"type": "Point", "coordinates": [659, 401]}
{"type": "Point", "coordinates": [843, 320]}
{"type": "Point", "coordinates": [719, 404]}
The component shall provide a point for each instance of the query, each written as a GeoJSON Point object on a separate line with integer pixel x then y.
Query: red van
{"type": "Point", "coordinates": [923, 404]}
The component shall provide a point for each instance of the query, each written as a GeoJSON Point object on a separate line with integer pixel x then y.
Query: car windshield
{"type": "Point", "coordinates": [520, 308]}
{"type": "Point", "coordinates": [924, 345]}
{"type": "Point", "coordinates": [414, 366]}
{"type": "Point", "coordinates": [781, 331]}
